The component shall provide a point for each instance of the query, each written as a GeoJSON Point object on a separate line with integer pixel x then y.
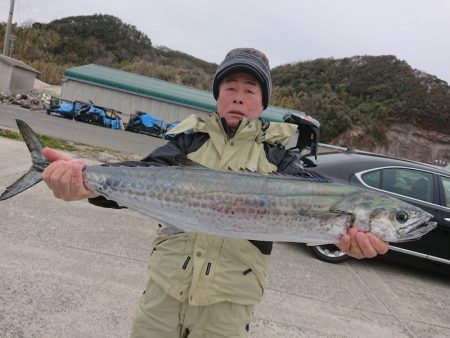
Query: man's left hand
{"type": "Point", "coordinates": [360, 244]}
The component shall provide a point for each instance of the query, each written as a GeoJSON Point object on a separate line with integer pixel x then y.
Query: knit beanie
{"type": "Point", "coordinates": [247, 60]}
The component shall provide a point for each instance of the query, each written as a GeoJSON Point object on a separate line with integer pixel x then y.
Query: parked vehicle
{"type": "Point", "coordinates": [90, 113]}
{"type": "Point", "coordinates": [66, 109]}
{"type": "Point", "coordinates": [423, 185]}
{"type": "Point", "coordinates": [147, 124]}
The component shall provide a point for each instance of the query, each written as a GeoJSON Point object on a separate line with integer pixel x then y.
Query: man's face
{"type": "Point", "coordinates": [240, 95]}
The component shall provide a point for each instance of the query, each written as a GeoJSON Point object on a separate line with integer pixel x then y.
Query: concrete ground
{"type": "Point", "coordinates": [75, 270]}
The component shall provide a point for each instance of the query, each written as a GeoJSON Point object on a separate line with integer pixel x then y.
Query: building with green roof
{"type": "Point", "coordinates": [127, 92]}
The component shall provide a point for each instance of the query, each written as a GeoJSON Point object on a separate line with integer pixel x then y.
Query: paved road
{"type": "Point", "coordinates": [79, 132]}
{"type": "Point", "coordinates": [75, 270]}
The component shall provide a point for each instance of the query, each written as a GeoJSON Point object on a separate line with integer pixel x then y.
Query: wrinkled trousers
{"type": "Point", "coordinates": [162, 316]}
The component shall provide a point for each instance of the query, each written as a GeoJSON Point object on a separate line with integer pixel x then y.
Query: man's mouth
{"type": "Point", "coordinates": [236, 112]}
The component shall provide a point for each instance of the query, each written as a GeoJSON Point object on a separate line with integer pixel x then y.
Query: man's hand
{"type": "Point", "coordinates": [64, 176]}
{"type": "Point", "coordinates": [360, 244]}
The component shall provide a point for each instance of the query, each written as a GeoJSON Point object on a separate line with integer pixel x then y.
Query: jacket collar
{"type": "Point", "coordinates": [249, 129]}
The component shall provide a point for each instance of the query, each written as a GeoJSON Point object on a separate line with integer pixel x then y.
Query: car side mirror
{"type": "Point", "coordinates": [308, 133]}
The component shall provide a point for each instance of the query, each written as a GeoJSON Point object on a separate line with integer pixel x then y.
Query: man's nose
{"type": "Point", "coordinates": [238, 98]}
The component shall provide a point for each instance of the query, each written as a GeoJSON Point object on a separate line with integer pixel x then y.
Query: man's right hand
{"type": "Point", "coordinates": [64, 176]}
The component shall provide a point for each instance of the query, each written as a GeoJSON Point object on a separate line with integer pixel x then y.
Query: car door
{"type": "Point", "coordinates": [413, 186]}
{"type": "Point", "coordinates": [441, 248]}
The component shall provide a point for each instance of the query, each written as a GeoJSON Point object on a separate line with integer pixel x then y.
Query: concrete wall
{"type": "Point", "coordinates": [5, 77]}
{"type": "Point", "coordinates": [14, 80]}
{"type": "Point", "coordinates": [22, 80]}
{"type": "Point", "coordinates": [125, 102]}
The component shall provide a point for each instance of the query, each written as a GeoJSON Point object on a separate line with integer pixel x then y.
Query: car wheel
{"type": "Point", "coordinates": [77, 117]}
{"type": "Point", "coordinates": [329, 253]}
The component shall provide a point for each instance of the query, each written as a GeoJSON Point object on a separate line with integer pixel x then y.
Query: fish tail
{"type": "Point", "coordinates": [34, 174]}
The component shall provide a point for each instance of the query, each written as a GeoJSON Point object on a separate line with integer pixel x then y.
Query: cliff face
{"type": "Point", "coordinates": [401, 140]}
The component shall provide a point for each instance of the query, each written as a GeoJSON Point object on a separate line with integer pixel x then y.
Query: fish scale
{"type": "Point", "coordinates": [306, 208]}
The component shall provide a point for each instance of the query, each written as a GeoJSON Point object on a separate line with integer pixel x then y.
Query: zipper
{"type": "Point", "coordinates": [186, 262]}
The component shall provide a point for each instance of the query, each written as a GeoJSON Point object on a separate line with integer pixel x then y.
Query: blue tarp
{"type": "Point", "coordinates": [114, 123]}
{"type": "Point", "coordinates": [66, 107]}
{"type": "Point", "coordinates": [149, 120]}
{"type": "Point", "coordinates": [107, 122]}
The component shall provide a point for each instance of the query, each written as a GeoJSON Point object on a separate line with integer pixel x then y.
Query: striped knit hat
{"type": "Point", "coordinates": [246, 60]}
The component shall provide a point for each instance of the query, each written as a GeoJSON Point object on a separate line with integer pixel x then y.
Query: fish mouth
{"type": "Point", "coordinates": [416, 229]}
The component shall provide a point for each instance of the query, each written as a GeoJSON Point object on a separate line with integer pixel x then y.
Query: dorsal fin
{"type": "Point", "coordinates": [184, 161]}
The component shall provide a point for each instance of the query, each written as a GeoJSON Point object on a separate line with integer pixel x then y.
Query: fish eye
{"type": "Point", "coordinates": [401, 217]}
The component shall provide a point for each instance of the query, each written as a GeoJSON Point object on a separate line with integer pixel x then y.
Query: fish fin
{"type": "Point", "coordinates": [34, 174]}
{"type": "Point", "coordinates": [318, 243]}
{"type": "Point", "coordinates": [245, 171]}
{"type": "Point", "coordinates": [31, 178]}
{"type": "Point", "coordinates": [184, 161]}
{"type": "Point", "coordinates": [35, 146]}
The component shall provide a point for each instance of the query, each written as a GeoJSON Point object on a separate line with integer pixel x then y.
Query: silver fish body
{"type": "Point", "coordinates": [255, 206]}
{"type": "Point", "coordinates": [251, 206]}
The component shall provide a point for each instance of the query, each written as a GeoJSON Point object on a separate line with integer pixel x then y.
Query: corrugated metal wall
{"type": "Point", "coordinates": [125, 102]}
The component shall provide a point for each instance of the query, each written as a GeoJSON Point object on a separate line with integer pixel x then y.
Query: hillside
{"type": "Point", "coordinates": [352, 97]}
{"type": "Point", "coordinates": [104, 40]}
{"type": "Point", "coordinates": [401, 140]}
{"type": "Point", "coordinates": [367, 91]}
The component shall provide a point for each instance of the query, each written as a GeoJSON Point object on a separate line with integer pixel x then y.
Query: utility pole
{"type": "Point", "coordinates": [7, 44]}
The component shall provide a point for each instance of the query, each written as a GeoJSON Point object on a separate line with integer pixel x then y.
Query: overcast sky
{"type": "Point", "coordinates": [417, 31]}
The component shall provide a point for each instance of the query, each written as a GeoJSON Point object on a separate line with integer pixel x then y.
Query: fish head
{"type": "Point", "coordinates": [387, 217]}
{"type": "Point", "coordinates": [400, 222]}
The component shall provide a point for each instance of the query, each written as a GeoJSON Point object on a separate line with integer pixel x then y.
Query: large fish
{"type": "Point", "coordinates": [246, 205]}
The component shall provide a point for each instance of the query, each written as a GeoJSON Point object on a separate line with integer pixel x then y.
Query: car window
{"type": "Point", "coordinates": [446, 184]}
{"type": "Point", "coordinates": [412, 183]}
{"type": "Point", "coordinates": [372, 178]}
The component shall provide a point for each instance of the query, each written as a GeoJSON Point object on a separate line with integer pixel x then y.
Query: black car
{"type": "Point", "coordinates": [425, 186]}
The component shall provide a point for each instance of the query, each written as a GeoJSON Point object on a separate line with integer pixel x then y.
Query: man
{"type": "Point", "coordinates": [203, 285]}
